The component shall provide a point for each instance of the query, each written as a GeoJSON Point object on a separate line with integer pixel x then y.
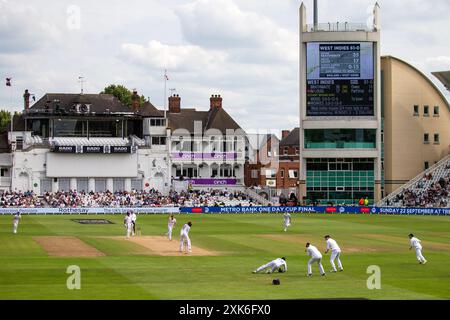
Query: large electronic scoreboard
{"type": "Point", "coordinates": [340, 79]}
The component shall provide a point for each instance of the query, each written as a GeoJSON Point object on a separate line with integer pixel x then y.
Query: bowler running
{"type": "Point", "coordinates": [170, 225]}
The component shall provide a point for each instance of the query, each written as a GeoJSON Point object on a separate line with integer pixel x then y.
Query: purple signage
{"type": "Point", "coordinates": [213, 181]}
{"type": "Point", "coordinates": [206, 156]}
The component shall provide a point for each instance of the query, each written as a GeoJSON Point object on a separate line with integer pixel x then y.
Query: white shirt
{"type": "Point", "coordinates": [172, 222]}
{"type": "Point", "coordinates": [313, 252]}
{"type": "Point", "coordinates": [185, 229]}
{"type": "Point", "coordinates": [415, 243]}
{"type": "Point", "coordinates": [280, 262]}
{"type": "Point", "coordinates": [127, 220]}
{"type": "Point", "coordinates": [133, 217]}
{"type": "Point", "coordinates": [332, 245]}
{"type": "Point", "coordinates": [287, 217]}
{"type": "Point", "coordinates": [16, 218]}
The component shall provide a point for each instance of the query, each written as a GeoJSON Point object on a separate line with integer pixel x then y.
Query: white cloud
{"type": "Point", "coordinates": [222, 24]}
{"type": "Point", "coordinates": [22, 30]}
{"type": "Point", "coordinates": [181, 57]}
{"type": "Point", "coordinates": [245, 50]}
{"type": "Point", "coordinates": [439, 63]}
{"type": "Point", "coordinates": [244, 56]}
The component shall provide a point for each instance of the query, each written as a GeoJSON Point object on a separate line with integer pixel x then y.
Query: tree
{"type": "Point", "coordinates": [122, 93]}
{"type": "Point", "coordinates": [5, 119]}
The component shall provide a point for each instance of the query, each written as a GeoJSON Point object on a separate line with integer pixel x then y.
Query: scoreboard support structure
{"type": "Point", "coordinates": [340, 110]}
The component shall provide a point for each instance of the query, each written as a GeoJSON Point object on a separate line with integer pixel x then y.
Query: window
{"type": "Point", "coordinates": [436, 111]}
{"type": "Point", "coordinates": [100, 185]}
{"type": "Point", "coordinates": [4, 172]}
{"type": "Point", "coordinates": [254, 174]}
{"type": "Point", "coordinates": [71, 128]}
{"type": "Point", "coordinates": [158, 141]}
{"type": "Point", "coordinates": [296, 150]}
{"type": "Point", "coordinates": [426, 111]}
{"type": "Point", "coordinates": [426, 138]}
{"type": "Point", "coordinates": [285, 151]}
{"type": "Point", "coordinates": [436, 138]}
{"type": "Point", "coordinates": [426, 165]}
{"type": "Point", "coordinates": [39, 127]}
{"type": "Point", "coordinates": [293, 173]}
{"type": "Point", "coordinates": [340, 138]}
{"type": "Point", "coordinates": [19, 143]}
{"type": "Point", "coordinates": [416, 110]}
{"type": "Point", "coordinates": [282, 174]}
{"type": "Point", "coordinates": [105, 128]}
{"type": "Point", "coordinates": [270, 173]}
{"type": "Point", "coordinates": [157, 122]}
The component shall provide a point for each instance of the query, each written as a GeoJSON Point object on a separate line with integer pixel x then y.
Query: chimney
{"type": "Point", "coordinates": [135, 101]}
{"type": "Point", "coordinates": [215, 101]}
{"type": "Point", "coordinates": [26, 100]}
{"type": "Point", "coordinates": [175, 104]}
{"type": "Point", "coordinates": [285, 133]}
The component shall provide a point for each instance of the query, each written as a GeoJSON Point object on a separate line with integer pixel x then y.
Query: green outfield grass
{"type": "Point", "coordinates": [242, 242]}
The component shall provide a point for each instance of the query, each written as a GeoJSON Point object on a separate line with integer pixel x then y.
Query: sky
{"type": "Point", "coordinates": [244, 50]}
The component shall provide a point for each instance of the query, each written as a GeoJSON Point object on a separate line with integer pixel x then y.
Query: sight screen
{"type": "Point", "coordinates": [339, 79]}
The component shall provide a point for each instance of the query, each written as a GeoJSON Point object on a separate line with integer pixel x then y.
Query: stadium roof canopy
{"type": "Point", "coordinates": [444, 77]}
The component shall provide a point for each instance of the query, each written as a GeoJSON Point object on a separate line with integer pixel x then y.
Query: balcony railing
{"type": "Point", "coordinates": [339, 27]}
{"type": "Point", "coordinates": [5, 181]}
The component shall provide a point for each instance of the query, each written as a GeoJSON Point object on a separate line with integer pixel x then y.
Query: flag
{"type": "Point", "coordinates": [8, 82]}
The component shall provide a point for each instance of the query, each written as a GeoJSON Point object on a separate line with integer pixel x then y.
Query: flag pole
{"type": "Point", "coordinates": [12, 108]}
{"type": "Point", "coordinates": [165, 92]}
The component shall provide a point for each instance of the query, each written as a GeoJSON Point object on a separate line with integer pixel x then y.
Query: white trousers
{"type": "Point", "coordinates": [271, 265]}
{"type": "Point", "coordinates": [169, 232]}
{"type": "Point", "coordinates": [185, 237]}
{"type": "Point", "coordinates": [15, 226]}
{"type": "Point", "coordinates": [419, 255]}
{"type": "Point", "coordinates": [129, 228]}
{"type": "Point", "coordinates": [335, 256]}
{"type": "Point", "coordinates": [319, 262]}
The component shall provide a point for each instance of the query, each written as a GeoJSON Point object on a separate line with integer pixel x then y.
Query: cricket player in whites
{"type": "Point", "coordinates": [16, 220]}
{"type": "Point", "coordinates": [274, 265]}
{"type": "Point", "coordinates": [170, 224]}
{"type": "Point", "coordinates": [335, 253]}
{"type": "Point", "coordinates": [184, 237]}
{"type": "Point", "coordinates": [287, 220]}
{"type": "Point", "coordinates": [128, 223]}
{"type": "Point", "coordinates": [316, 256]}
{"type": "Point", "coordinates": [415, 243]}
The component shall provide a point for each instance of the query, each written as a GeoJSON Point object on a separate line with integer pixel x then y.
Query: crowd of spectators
{"type": "Point", "coordinates": [151, 198]}
{"type": "Point", "coordinates": [92, 199]}
{"type": "Point", "coordinates": [213, 198]}
{"type": "Point", "coordinates": [20, 199]}
{"type": "Point", "coordinates": [437, 194]}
